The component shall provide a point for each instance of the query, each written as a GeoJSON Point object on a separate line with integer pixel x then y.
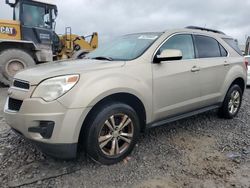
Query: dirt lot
{"type": "Point", "coordinates": [202, 151]}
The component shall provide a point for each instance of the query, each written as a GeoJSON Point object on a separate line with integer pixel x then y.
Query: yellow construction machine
{"type": "Point", "coordinates": [30, 38]}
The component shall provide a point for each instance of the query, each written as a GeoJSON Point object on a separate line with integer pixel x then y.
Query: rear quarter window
{"type": "Point", "coordinates": [223, 51]}
{"type": "Point", "coordinates": [233, 44]}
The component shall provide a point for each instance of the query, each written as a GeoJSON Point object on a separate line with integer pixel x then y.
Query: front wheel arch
{"type": "Point", "coordinates": [125, 98]}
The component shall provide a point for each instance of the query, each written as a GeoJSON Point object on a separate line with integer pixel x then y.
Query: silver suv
{"type": "Point", "coordinates": [138, 81]}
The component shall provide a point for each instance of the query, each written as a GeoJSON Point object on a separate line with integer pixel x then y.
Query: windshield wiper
{"type": "Point", "coordinates": [103, 58]}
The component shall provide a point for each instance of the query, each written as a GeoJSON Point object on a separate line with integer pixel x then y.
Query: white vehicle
{"type": "Point", "coordinates": [248, 73]}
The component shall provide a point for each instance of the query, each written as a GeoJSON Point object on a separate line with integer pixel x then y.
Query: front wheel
{"type": "Point", "coordinates": [112, 134]}
{"type": "Point", "coordinates": [13, 61]}
{"type": "Point", "coordinates": [232, 102]}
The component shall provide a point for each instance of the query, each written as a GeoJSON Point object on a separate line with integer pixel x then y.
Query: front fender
{"type": "Point", "coordinates": [92, 89]}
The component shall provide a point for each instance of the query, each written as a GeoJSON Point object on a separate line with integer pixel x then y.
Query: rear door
{"type": "Point", "coordinates": [176, 86]}
{"type": "Point", "coordinates": [214, 64]}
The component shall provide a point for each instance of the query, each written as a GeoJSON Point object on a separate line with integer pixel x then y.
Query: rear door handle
{"type": "Point", "coordinates": [195, 69]}
{"type": "Point", "coordinates": [226, 63]}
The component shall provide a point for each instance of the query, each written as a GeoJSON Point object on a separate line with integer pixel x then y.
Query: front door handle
{"type": "Point", "coordinates": [226, 63]}
{"type": "Point", "coordinates": [195, 69]}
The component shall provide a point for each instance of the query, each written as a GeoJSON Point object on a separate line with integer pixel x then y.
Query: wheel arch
{"type": "Point", "coordinates": [237, 80]}
{"type": "Point", "coordinates": [236, 75]}
{"type": "Point", "coordinates": [121, 97]}
{"type": "Point", "coordinates": [241, 82]}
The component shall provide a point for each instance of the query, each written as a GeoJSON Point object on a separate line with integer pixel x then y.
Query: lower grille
{"type": "Point", "coordinates": [14, 104]}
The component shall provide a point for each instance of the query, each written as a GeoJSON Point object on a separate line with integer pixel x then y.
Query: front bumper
{"type": "Point", "coordinates": [60, 151]}
{"type": "Point", "coordinates": [67, 123]}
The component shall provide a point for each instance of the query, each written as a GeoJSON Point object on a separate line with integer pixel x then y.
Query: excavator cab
{"type": "Point", "coordinates": [37, 21]}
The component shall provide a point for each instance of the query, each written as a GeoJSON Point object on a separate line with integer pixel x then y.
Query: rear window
{"type": "Point", "coordinates": [233, 43]}
{"type": "Point", "coordinates": [207, 47]}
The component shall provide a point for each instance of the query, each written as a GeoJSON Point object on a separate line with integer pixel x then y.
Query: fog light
{"type": "Point", "coordinates": [45, 129]}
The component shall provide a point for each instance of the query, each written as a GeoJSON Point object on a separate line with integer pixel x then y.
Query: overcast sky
{"type": "Point", "coordinates": [112, 18]}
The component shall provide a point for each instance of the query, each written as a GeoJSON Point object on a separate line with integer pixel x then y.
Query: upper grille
{"type": "Point", "coordinates": [14, 104]}
{"type": "Point", "coordinates": [21, 84]}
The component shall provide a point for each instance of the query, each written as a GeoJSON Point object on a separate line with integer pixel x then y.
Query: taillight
{"type": "Point", "coordinates": [246, 63]}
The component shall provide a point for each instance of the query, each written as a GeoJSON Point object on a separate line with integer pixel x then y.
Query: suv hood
{"type": "Point", "coordinates": [40, 72]}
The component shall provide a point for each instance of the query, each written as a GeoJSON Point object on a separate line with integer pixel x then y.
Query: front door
{"type": "Point", "coordinates": [176, 86]}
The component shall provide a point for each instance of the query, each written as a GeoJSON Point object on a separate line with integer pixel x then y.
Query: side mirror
{"type": "Point", "coordinates": [168, 55]}
{"type": "Point", "coordinates": [12, 3]}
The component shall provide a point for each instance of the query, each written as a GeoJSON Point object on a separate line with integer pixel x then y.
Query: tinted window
{"type": "Point", "coordinates": [35, 16]}
{"type": "Point", "coordinates": [223, 51]}
{"type": "Point", "coordinates": [184, 43]}
{"type": "Point", "coordinates": [233, 44]}
{"type": "Point", "coordinates": [207, 47]}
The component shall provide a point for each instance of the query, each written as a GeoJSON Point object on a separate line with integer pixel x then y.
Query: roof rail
{"type": "Point", "coordinates": [205, 29]}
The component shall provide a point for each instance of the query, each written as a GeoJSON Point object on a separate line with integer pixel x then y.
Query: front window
{"type": "Point", "coordinates": [36, 16]}
{"type": "Point", "coordinates": [182, 42]}
{"type": "Point", "coordinates": [125, 48]}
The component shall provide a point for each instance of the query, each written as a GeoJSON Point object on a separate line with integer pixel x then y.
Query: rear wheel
{"type": "Point", "coordinates": [232, 102]}
{"type": "Point", "coordinates": [112, 134]}
{"type": "Point", "coordinates": [11, 62]}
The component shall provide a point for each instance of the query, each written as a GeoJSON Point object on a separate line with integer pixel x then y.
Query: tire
{"type": "Point", "coordinates": [99, 149]}
{"type": "Point", "coordinates": [18, 58]}
{"type": "Point", "coordinates": [231, 105]}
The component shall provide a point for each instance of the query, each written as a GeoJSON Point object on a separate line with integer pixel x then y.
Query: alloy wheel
{"type": "Point", "coordinates": [234, 102]}
{"type": "Point", "coordinates": [116, 135]}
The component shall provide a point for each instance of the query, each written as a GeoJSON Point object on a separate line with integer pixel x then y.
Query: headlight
{"type": "Point", "coordinates": [53, 88]}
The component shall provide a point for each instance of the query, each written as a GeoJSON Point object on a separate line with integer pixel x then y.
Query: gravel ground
{"type": "Point", "coordinates": [201, 151]}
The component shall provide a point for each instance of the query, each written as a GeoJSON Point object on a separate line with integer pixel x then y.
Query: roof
{"type": "Point", "coordinates": [50, 2]}
{"type": "Point", "coordinates": [205, 29]}
{"type": "Point", "coordinates": [199, 31]}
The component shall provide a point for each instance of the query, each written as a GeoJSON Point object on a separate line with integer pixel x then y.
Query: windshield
{"type": "Point", "coordinates": [36, 16]}
{"type": "Point", "coordinates": [125, 48]}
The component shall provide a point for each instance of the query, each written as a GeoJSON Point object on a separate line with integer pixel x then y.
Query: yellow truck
{"type": "Point", "coordinates": [30, 38]}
